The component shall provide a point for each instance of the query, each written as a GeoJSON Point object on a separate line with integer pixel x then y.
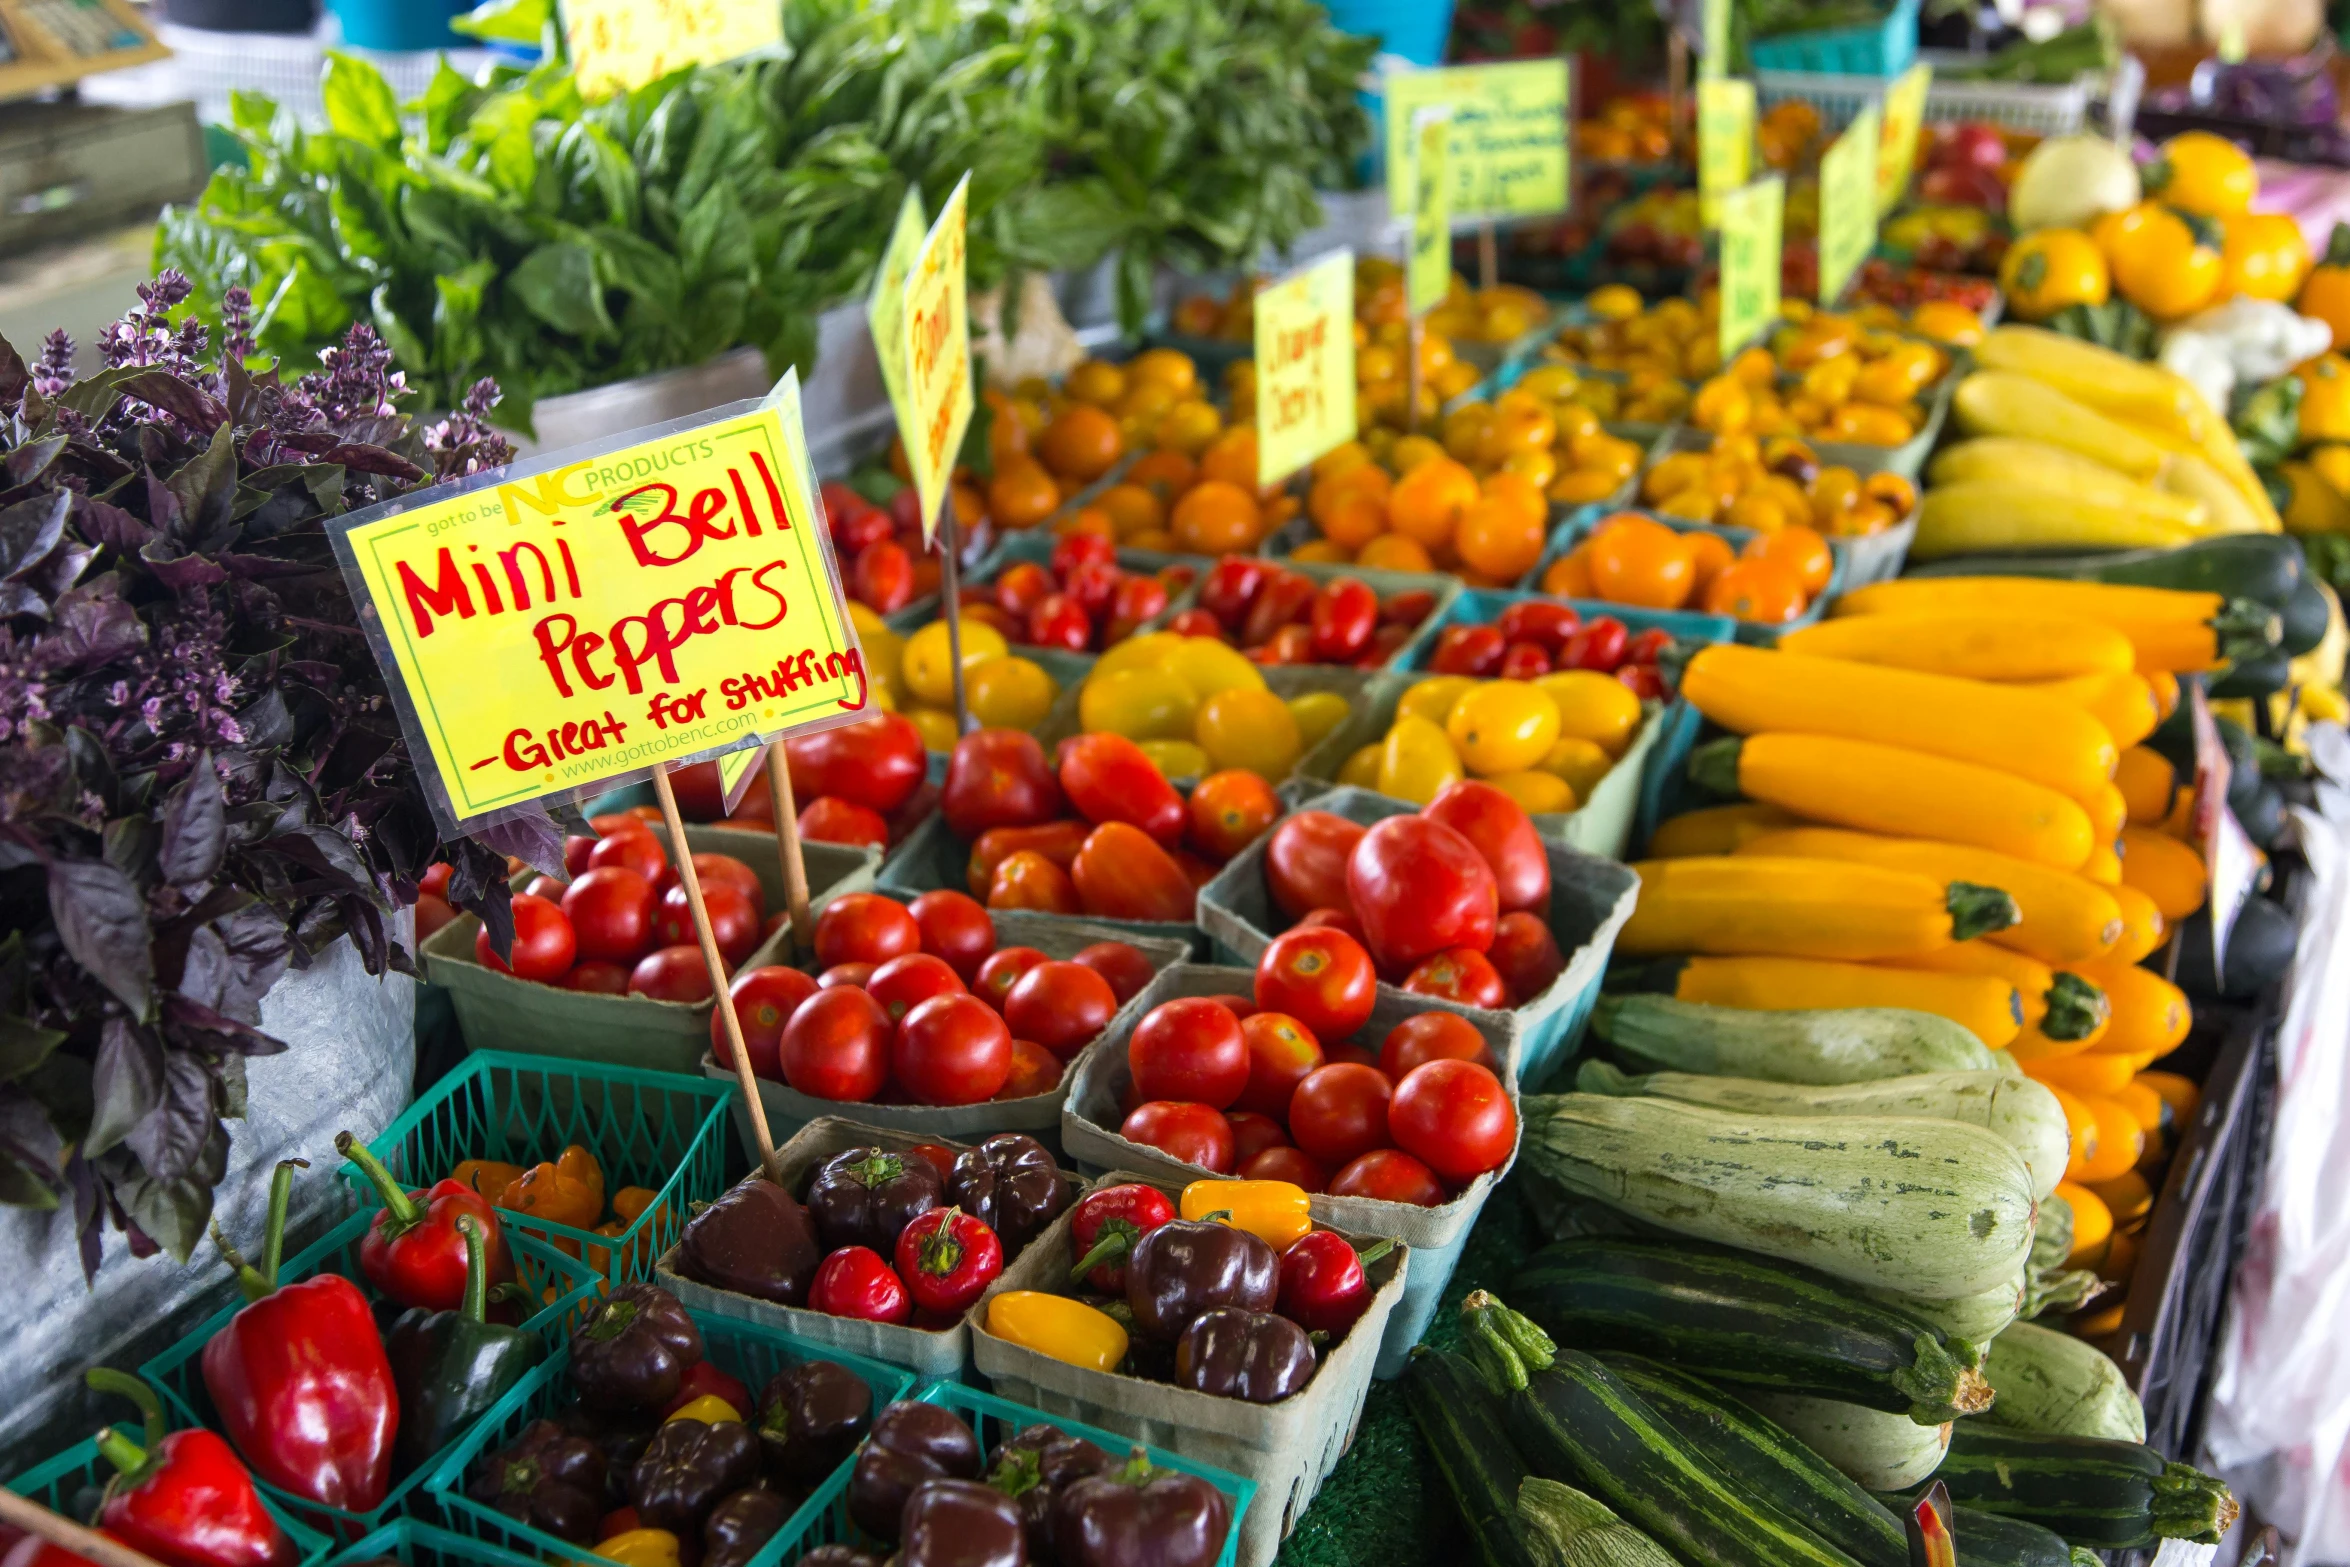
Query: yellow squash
{"type": "Point", "coordinates": [1741, 905]}
{"type": "Point", "coordinates": [2000, 402]}
{"type": "Point", "coordinates": [1715, 829]}
{"type": "Point", "coordinates": [2169, 630]}
{"type": "Point", "coordinates": [2148, 783]}
{"type": "Point", "coordinates": [2112, 383]}
{"type": "Point", "coordinates": [2080, 1074]}
{"type": "Point", "coordinates": [2164, 869]}
{"type": "Point", "coordinates": [2150, 1015]}
{"type": "Point", "coordinates": [1985, 1006]}
{"type": "Point", "coordinates": [1980, 516]}
{"type": "Point", "coordinates": [2092, 1224]}
{"type": "Point", "coordinates": [2143, 927]}
{"type": "Point", "coordinates": [2125, 703]}
{"type": "Point", "coordinates": [1973, 645]}
{"type": "Point", "coordinates": [2063, 1013]}
{"type": "Point", "coordinates": [2012, 460]}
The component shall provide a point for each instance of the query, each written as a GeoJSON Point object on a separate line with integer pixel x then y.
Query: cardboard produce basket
{"type": "Point", "coordinates": [1287, 1449]}
{"type": "Point", "coordinates": [1090, 1122]}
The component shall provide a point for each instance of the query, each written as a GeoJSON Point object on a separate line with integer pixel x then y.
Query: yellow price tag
{"type": "Point", "coordinates": [1429, 277]}
{"type": "Point", "coordinates": [1713, 56]}
{"type": "Point", "coordinates": [627, 43]}
{"type": "Point", "coordinates": [1905, 113]}
{"type": "Point", "coordinates": [1751, 217]}
{"type": "Point", "coordinates": [564, 630]}
{"type": "Point", "coordinates": [1725, 142]}
{"type": "Point", "coordinates": [937, 330]}
{"type": "Point", "coordinates": [885, 308]}
{"type": "Point", "coordinates": [1848, 203]}
{"type": "Point", "coordinates": [1305, 356]}
{"type": "Point", "coordinates": [1508, 147]}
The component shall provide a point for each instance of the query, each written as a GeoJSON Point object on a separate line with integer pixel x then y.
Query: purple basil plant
{"type": "Point", "coordinates": [203, 780]}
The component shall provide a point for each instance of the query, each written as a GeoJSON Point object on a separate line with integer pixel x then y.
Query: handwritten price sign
{"type": "Point", "coordinates": [627, 43]}
{"type": "Point", "coordinates": [1428, 278]}
{"type": "Point", "coordinates": [561, 631]}
{"type": "Point", "coordinates": [1305, 365]}
{"type": "Point", "coordinates": [885, 308]}
{"type": "Point", "coordinates": [1905, 111]}
{"type": "Point", "coordinates": [937, 324]}
{"type": "Point", "coordinates": [1848, 204]}
{"type": "Point", "coordinates": [1751, 219]}
{"type": "Point", "coordinates": [1508, 144]}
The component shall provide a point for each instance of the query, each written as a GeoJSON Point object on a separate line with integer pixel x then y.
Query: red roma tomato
{"type": "Point", "coordinates": [1123, 874]}
{"type": "Point", "coordinates": [431, 914]}
{"type": "Point", "coordinates": [1056, 841]}
{"type": "Point", "coordinates": [1072, 550]}
{"type": "Point", "coordinates": [543, 942]}
{"type": "Point", "coordinates": [845, 974]}
{"type": "Point", "coordinates": [1526, 956]}
{"type": "Point", "coordinates": [1332, 919]}
{"type": "Point", "coordinates": [734, 923]}
{"type": "Point", "coordinates": [1384, 643]}
{"type": "Point", "coordinates": [1340, 1112]}
{"type": "Point", "coordinates": [1389, 1175]}
{"type": "Point", "coordinates": [831, 819]}
{"type": "Point", "coordinates": [764, 1001]}
{"type": "Point", "coordinates": [1190, 1049]}
{"type": "Point", "coordinates": [1252, 1134]}
{"type": "Point", "coordinates": [671, 974]}
{"type": "Point", "coordinates": [1192, 1133]}
{"type": "Point", "coordinates": [1598, 645]}
{"type": "Point", "coordinates": [1305, 861]}
{"type": "Point", "coordinates": [860, 530]}
{"type": "Point", "coordinates": [902, 984]}
{"type": "Point", "coordinates": [1231, 588]}
{"type": "Point", "coordinates": [855, 1282]}
{"type": "Point", "coordinates": [1344, 613]}
{"type": "Point", "coordinates": [1229, 811]}
{"type": "Point", "coordinates": [998, 778]}
{"type": "Point", "coordinates": [640, 852]}
{"type": "Point", "coordinates": [1061, 1006]}
{"type": "Point", "coordinates": [1433, 1036]}
{"type": "Point", "coordinates": [1545, 624]}
{"type": "Point", "coordinates": [1126, 969]}
{"type": "Point", "coordinates": [1320, 976]}
{"type": "Point", "coordinates": [549, 888]}
{"type": "Point", "coordinates": [1108, 779]}
{"type": "Point", "coordinates": [1197, 622]}
{"type": "Point", "coordinates": [597, 979]}
{"type": "Point", "coordinates": [1035, 1070]}
{"type": "Point", "coordinates": [1467, 650]}
{"type": "Point", "coordinates": [1407, 609]}
{"type": "Point", "coordinates": [865, 927]}
{"type": "Point", "coordinates": [1293, 1165]}
{"type": "Point", "coordinates": [1292, 644]}
{"type": "Point", "coordinates": [1501, 831]}
{"type": "Point", "coordinates": [1137, 600]}
{"type": "Point", "coordinates": [876, 762]}
{"type": "Point", "coordinates": [1419, 887]}
{"type": "Point", "coordinates": [716, 868]}
{"type": "Point", "coordinates": [1286, 599]}
{"type": "Point", "coordinates": [1198, 870]}
{"type": "Point", "coordinates": [1643, 681]}
{"type": "Point", "coordinates": [436, 875]}
{"type": "Point", "coordinates": [1523, 661]}
{"type": "Point", "coordinates": [1059, 621]}
{"type": "Point", "coordinates": [952, 1050]}
{"type": "Point", "coordinates": [836, 1046]}
{"type": "Point", "coordinates": [1002, 971]}
{"type": "Point", "coordinates": [1460, 974]}
{"type": "Point", "coordinates": [1022, 587]}
{"type": "Point", "coordinates": [1281, 1052]}
{"type": "Point", "coordinates": [575, 855]}
{"type": "Point", "coordinates": [1649, 646]}
{"type": "Point", "coordinates": [1349, 1055]}
{"type": "Point", "coordinates": [955, 928]}
{"type": "Point", "coordinates": [1093, 585]}
{"type": "Point", "coordinates": [1028, 880]}
{"type": "Point", "coordinates": [883, 577]}
{"type": "Point", "coordinates": [1455, 1117]}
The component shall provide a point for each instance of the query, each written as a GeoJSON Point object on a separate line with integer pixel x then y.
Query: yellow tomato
{"type": "Point", "coordinates": [1592, 706]}
{"type": "Point", "coordinates": [1249, 729]}
{"type": "Point", "coordinates": [935, 726]}
{"type": "Point", "coordinates": [1317, 713]}
{"type": "Point", "coordinates": [1536, 792]}
{"type": "Point", "coordinates": [1433, 698]}
{"type": "Point", "coordinates": [1141, 704]}
{"type": "Point", "coordinates": [1006, 692]}
{"type": "Point", "coordinates": [1502, 726]}
{"type": "Point", "coordinates": [1416, 761]}
{"type": "Point", "coordinates": [1209, 666]}
{"type": "Point", "coordinates": [929, 666]}
{"type": "Point", "coordinates": [1361, 769]}
{"type": "Point", "coordinates": [1149, 651]}
{"type": "Point", "coordinates": [1580, 762]}
{"type": "Point", "coordinates": [1175, 758]}
{"type": "Point", "coordinates": [2203, 173]}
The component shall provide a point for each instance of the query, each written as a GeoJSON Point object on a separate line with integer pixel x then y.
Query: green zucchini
{"type": "Point", "coordinates": [2097, 1492]}
{"type": "Point", "coordinates": [1732, 1316]}
{"type": "Point", "coordinates": [1574, 1530]}
{"type": "Point", "coordinates": [2052, 1236]}
{"type": "Point", "coordinates": [2262, 566]}
{"type": "Point", "coordinates": [1460, 1418]}
{"type": "Point", "coordinates": [2305, 616]}
{"type": "Point", "coordinates": [2059, 1290]}
{"type": "Point", "coordinates": [1976, 1318]}
{"type": "Point", "coordinates": [1824, 1047]}
{"type": "Point", "coordinates": [1937, 1208]}
{"type": "Point", "coordinates": [1880, 1451]}
{"type": "Point", "coordinates": [2019, 1110]}
{"type": "Point", "coordinates": [1576, 1421]}
{"type": "Point", "coordinates": [2050, 1381]}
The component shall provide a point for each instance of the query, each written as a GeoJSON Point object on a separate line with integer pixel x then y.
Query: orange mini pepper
{"type": "Point", "coordinates": [486, 1176]}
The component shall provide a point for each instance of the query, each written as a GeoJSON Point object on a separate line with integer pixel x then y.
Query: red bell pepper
{"type": "Point", "coordinates": [300, 1377]}
{"type": "Point", "coordinates": [415, 1253]}
{"type": "Point", "coordinates": [184, 1499]}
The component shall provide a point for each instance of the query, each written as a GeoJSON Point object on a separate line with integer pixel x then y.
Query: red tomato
{"type": "Point", "coordinates": [764, 1001]}
{"type": "Point", "coordinates": [1408, 608]}
{"type": "Point", "coordinates": [543, 942]}
{"type": "Point", "coordinates": [1291, 644]}
{"type": "Point", "coordinates": [865, 927]}
{"type": "Point", "coordinates": [1126, 969]}
{"type": "Point", "coordinates": [1056, 841]}
{"type": "Point", "coordinates": [1523, 661]}
{"type": "Point", "coordinates": [1526, 956]}
{"type": "Point", "coordinates": [998, 778]}
{"type": "Point", "coordinates": [1455, 1117]}
{"type": "Point", "coordinates": [845, 974]}
{"type": "Point", "coordinates": [671, 974]}
{"type": "Point", "coordinates": [1231, 587]}
{"type": "Point", "coordinates": [547, 887]}
{"type": "Point", "coordinates": [1293, 1165]}
{"type": "Point", "coordinates": [714, 869]}
{"type": "Point", "coordinates": [1002, 971]}
{"type": "Point", "coordinates": [883, 577]}
{"type": "Point", "coordinates": [1344, 613]}
{"type": "Point", "coordinates": [1060, 621]}
{"type": "Point", "coordinates": [1061, 1006]}
{"type": "Point", "coordinates": [1320, 976]}
{"type": "Point", "coordinates": [1192, 1133]}
{"type": "Point", "coordinates": [1094, 585]}
{"type": "Point", "coordinates": [1433, 1036]}
{"type": "Point", "coordinates": [1349, 1055]}
{"type": "Point", "coordinates": [598, 979]}
{"type": "Point", "coordinates": [1419, 887]}
{"type": "Point", "coordinates": [1598, 645]}
{"type": "Point", "coordinates": [1138, 599]}
{"type": "Point", "coordinates": [1305, 861]}
{"type": "Point", "coordinates": [837, 1045]}
{"type": "Point", "coordinates": [640, 852]}
{"type": "Point", "coordinates": [951, 1050]}
{"type": "Point", "coordinates": [1239, 1006]}
{"type": "Point", "coordinates": [877, 762]}
{"type": "Point", "coordinates": [1252, 1134]}
{"type": "Point", "coordinates": [431, 914]}
{"type": "Point", "coordinates": [859, 530]}
{"type": "Point", "coordinates": [700, 796]}
{"type": "Point", "coordinates": [1072, 550]}
{"type": "Point", "coordinates": [436, 875]}
{"type": "Point", "coordinates": [904, 983]}
{"type": "Point", "coordinates": [1022, 587]}
{"type": "Point", "coordinates": [1286, 599]}
{"type": "Point", "coordinates": [1384, 643]}
{"type": "Point", "coordinates": [1467, 650]}
{"type": "Point", "coordinates": [1028, 880]}
{"type": "Point", "coordinates": [1545, 624]}
{"type": "Point", "coordinates": [1648, 646]}
{"type": "Point", "coordinates": [575, 854]}
{"type": "Point", "coordinates": [734, 922]}
{"type": "Point", "coordinates": [1229, 811]}
{"type": "Point", "coordinates": [1190, 1049]}
{"type": "Point", "coordinates": [1197, 622]}
{"type": "Point", "coordinates": [831, 819]}
{"type": "Point", "coordinates": [1389, 1175]}
{"type": "Point", "coordinates": [1108, 779]}
{"type": "Point", "coordinates": [1035, 1070]}
{"type": "Point", "coordinates": [1340, 1112]}
{"type": "Point", "coordinates": [938, 1155]}
{"type": "Point", "coordinates": [1281, 1053]}
{"type": "Point", "coordinates": [611, 914]}
{"type": "Point", "coordinates": [954, 928]}
{"type": "Point", "coordinates": [1500, 831]}
{"type": "Point", "coordinates": [1460, 974]}
{"type": "Point", "coordinates": [1122, 873]}
{"type": "Point", "coordinates": [1332, 919]}
{"type": "Point", "coordinates": [1643, 681]}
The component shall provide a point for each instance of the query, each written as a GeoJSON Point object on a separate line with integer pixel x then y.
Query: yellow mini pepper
{"type": "Point", "coordinates": [1067, 1330]}
{"type": "Point", "coordinates": [638, 1548]}
{"type": "Point", "coordinates": [1273, 1211]}
{"type": "Point", "coordinates": [709, 1409]}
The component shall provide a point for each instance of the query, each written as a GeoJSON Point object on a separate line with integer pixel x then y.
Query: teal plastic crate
{"type": "Point", "coordinates": [416, 1544]}
{"type": "Point", "coordinates": [178, 1372]}
{"type": "Point", "coordinates": [652, 1129]}
{"type": "Point", "coordinates": [742, 1349]}
{"type": "Point", "coordinates": [72, 1484]}
{"type": "Point", "coordinates": [1883, 48]}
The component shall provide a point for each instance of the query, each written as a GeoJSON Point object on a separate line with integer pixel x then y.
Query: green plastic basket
{"type": "Point", "coordinates": [421, 1545]}
{"type": "Point", "coordinates": [651, 1129]}
{"type": "Point", "coordinates": [178, 1372]}
{"type": "Point", "coordinates": [72, 1483]}
{"type": "Point", "coordinates": [742, 1349]}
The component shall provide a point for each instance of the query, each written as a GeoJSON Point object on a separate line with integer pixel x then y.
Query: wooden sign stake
{"type": "Point", "coordinates": [692, 881]}
{"type": "Point", "coordinates": [1411, 407]}
{"type": "Point", "coordinates": [787, 849]}
{"type": "Point", "coordinates": [950, 587]}
{"type": "Point", "coordinates": [30, 1516]}
{"type": "Point", "coordinates": [1488, 257]}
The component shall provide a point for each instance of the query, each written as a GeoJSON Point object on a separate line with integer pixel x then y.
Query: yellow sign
{"type": "Point", "coordinates": [1508, 146]}
{"type": "Point", "coordinates": [1725, 142]}
{"type": "Point", "coordinates": [1429, 277]}
{"type": "Point", "coordinates": [1905, 112]}
{"type": "Point", "coordinates": [1713, 56]}
{"type": "Point", "coordinates": [937, 330]}
{"type": "Point", "coordinates": [1751, 217]}
{"type": "Point", "coordinates": [562, 631]}
{"type": "Point", "coordinates": [885, 309]}
{"type": "Point", "coordinates": [627, 43]}
{"type": "Point", "coordinates": [1848, 203]}
{"type": "Point", "coordinates": [1305, 365]}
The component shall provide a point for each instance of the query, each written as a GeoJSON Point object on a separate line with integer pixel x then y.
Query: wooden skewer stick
{"type": "Point", "coordinates": [692, 881]}
{"type": "Point", "coordinates": [1488, 256]}
{"type": "Point", "coordinates": [30, 1516]}
{"type": "Point", "coordinates": [787, 846]}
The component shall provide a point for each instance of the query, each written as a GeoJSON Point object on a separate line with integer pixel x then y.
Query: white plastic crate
{"type": "Point", "coordinates": [2016, 106]}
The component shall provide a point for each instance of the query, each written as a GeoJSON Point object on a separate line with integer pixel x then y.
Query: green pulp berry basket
{"type": "Point", "coordinates": [72, 1483]}
{"type": "Point", "coordinates": [657, 1130]}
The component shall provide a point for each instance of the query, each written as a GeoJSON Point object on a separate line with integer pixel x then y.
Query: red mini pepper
{"type": "Point", "coordinates": [948, 1259]}
{"type": "Point", "coordinates": [1323, 1287]}
{"type": "Point", "coordinates": [184, 1499]}
{"type": "Point", "coordinates": [415, 1253]}
{"type": "Point", "coordinates": [1104, 1227]}
{"type": "Point", "coordinates": [300, 1377]}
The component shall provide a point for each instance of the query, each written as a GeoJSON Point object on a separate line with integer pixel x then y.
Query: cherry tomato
{"type": "Point", "coordinates": [1293, 1165]}
{"type": "Point", "coordinates": [1126, 969]}
{"type": "Point", "coordinates": [1035, 1070]}
{"type": "Point", "coordinates": [836, 1045]}
{"type": "Point", "coordinates": [1281, 1052]}
{"type": "Point", "coordinates": [1197, 622]}
{"type": "Point", "coordinates": [1190, 1049]}
{"type": "Point", "coordinates": [1523, 661]}
{"type": "Point", "coordinates": [1501, 832]}
{"type": "Point", "coordinates": [596, 979]}
{"type": "Point", "coordinates": [883, 577]}
{"type": "Point", "coordinates": [549, 888]}
{"type": "Point", "coordinates": [640, 852]}
{"type": "Point", "coordinates": [1305, 861]}
{"type": "Point", "coordinates": [904, 983]}
{"type": "Point", "coordinates": [877, 762]}
{"type": "Point", "coordinates": [543, 942]}
{"type": "Point", "coordinates": [1291, 644]}
{"type": "Point", "coordinates": [1285, 599]}
{"type": "Point", "coordinates": [1340, 1112]}
{"type": "Point", "coordinates": [716, 868]}
{"type": "Point", "coordinates": [1349, 1055]}
{"type": "Point", "coordinates": [1433, 1036]}
{"type": "Point", "coordinates": [575, 855]}
{"type": "Point", "coordinates": [734, 923]}
{"type": "Point", "coordinates": [431, 914]}
{"type": "Point", "coordinates": [955, 928]}
{"type": "Point", "coordinates": [1419, 888]}
{"type": "Point", "coordinates": [1060, 621]}
{"type": "Point", "coordinates": [1072, 550]}
{"type": "Point", "coordinates": [1229, 811]}
{"type": "Point", "coordinates": [865, 927]}
{"type": "Point", "coordinates": [1002, 971]}
{"type": "Point", "coordinates": [1648, 646]}
{"type": "Point", "coordinates": [1541, 622]}
{"type": "Point", "coordinates": [1094, 585]}
{"type": "Point", "coordinates": [764, 1001]}
{"type": "Point", "coordinates": [1322, 977]}
{"type": "Point", "coordinates": [1231, 587]}
{"type": "Point", "coordinates": [1195, 1134]}
{"type": "Point", "coordinates": [1332, 919]}
{"type": "Point", "coordinates": [845, 974]}
{"type": "Point", "coordinates": [671, 974]}
{"type": "Point", "coordinates": [1389, 1175]}
{"type": "Point", "coordinates": [1107, 778]}
{"type": "Point", "coordinates": [1598, 645]}
{"type": "Point", "coordinates": [1253, 1133]}
{"type": "Point", "coordinates": [1344, 612]}
{"type": "Point", "coordinates": [1138, 599]}
{"type": "Point", "coordinates": [1643, 681]}
{"type": "Point", "coordinates": [1467, 650]}
{"type": "Point", "coordinates": [998, 778]}
{"type": "Point", "coordinates": [1460, 974]}
{"type": "Point", "coordinates": [1056, 841]}
{"type": "Point", "coordinates": [952, 1050]}
{"type": "Point", "coordinates": [1408, 608]}
{"type": "Point", "coordinates": [831, 819]}
{"type": "Point", "coordinates": [1060, 1006]}
{"type": "Point", "coordinates": [938, 1155]}
{"type": "Point", "coordinates": [1455, 1117]}
{"type": "Point", "coordinates": [1028, 880]}
{"type": "Point", "coordinates": [1022, 587]}
{"type": "Point", "coordinates": [1526, 956]}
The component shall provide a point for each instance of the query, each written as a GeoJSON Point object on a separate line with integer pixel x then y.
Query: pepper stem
{"type": "Point", "coordinates": [261, 1281]}
{"type": "Point", "coordinates": [1376, 1250]}
{"type": "Point", "coordinates": [127, 1456]}
{"type": "Point", "coordinates": [1114, 1242]}
{"type": "Point", "coordinates": [477, 1270]}
{"type": "Point", "coordinates": [404, 1209]}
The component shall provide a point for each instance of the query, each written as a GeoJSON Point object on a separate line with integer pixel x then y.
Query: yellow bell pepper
{"type": "Point", "coordinates": [1054, 1325]}
{"type": "Point", "coordinates": [1273, 1211]}
{"type": "Point", "coordinates": [709, 1409]}
{"type": "Point", "coordinates": [638, 1548]}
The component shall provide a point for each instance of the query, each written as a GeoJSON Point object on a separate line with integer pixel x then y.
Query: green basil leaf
{"type": "Point", "coordinates": [359, 102]}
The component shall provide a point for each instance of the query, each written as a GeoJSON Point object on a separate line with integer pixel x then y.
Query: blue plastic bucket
{"type": "Point", "coordinates": [1415, 29]}
{"type": "Point", "coordinates": [398, 26]}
